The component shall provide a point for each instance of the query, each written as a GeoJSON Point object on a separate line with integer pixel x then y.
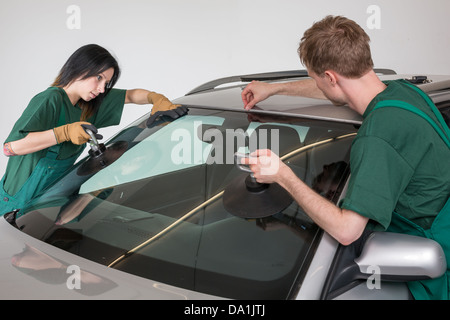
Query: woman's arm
{"type": "Point", "coordinates": [34, 141]}
{"type": "Point", "coordinates": [137, 96]}
{"type": "Point", "coordinates": [159, 101]}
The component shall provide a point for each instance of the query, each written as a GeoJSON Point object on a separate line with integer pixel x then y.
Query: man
{"type": "Point", "coordinates": [399, 164]}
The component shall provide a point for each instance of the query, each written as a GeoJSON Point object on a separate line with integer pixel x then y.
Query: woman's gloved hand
{"type": "Point", "coordinates": [160, 102]}
{"type": "Point", "coordinates": [75, 132]}
{"type": "Point", "coordinates": [163, 107]}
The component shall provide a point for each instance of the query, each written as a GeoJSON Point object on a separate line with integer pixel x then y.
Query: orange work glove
{"type": "Point", "coordinates": [163, 107]}
{"type": "Point", "coordinates": [160, 102]}
{"type": "Point", "coordinates": [75, 132]}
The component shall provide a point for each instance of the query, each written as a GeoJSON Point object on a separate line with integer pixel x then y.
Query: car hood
{"type": "Point", "coordinates": [31, 269]}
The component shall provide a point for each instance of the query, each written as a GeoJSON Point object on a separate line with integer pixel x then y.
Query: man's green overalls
{"type": "Point", "coordinates": [436, 289]}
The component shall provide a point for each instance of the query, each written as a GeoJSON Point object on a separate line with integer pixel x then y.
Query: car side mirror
{"type": "Point", "coordinates": [401, 257]}
{"type": "Point", "coordinates": [384, 255]}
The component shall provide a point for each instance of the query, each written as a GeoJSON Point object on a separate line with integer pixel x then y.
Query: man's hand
{"type": "Point", "coordinates": [256, 92]}
{"type": "Point", "coordinates": [265, 165]}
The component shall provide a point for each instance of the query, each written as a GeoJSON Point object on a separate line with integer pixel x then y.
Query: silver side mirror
{"type": "Point", "coordinates": [401, 257]}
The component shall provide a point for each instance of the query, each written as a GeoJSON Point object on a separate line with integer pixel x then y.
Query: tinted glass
{"type": "Point", "coordinates": [158, 212]}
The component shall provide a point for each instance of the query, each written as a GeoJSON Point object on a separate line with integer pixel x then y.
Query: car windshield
{"type": "Point", "coordinates": [157, 210]}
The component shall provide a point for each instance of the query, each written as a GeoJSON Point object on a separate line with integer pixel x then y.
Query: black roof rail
{"type": "Point", "coordinates": [278, 75]}
{"type": "Point", "coordinates": [267, 76]}
{"type": "Point", "coordinates": [384, 71]}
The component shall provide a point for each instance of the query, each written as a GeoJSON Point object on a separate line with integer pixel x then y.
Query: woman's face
{"type": "Point", "coordinates": [96, 85]}
{"type": "Point", "coordinates": [88, 89]}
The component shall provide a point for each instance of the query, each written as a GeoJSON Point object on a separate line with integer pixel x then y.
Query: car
{"type": "Point", "coordinates": [165, 210]}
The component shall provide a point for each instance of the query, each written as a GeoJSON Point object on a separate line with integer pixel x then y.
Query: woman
{"type": "Point", "coordinates": [50, 135]}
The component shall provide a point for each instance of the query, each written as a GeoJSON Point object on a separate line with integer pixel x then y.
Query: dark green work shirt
{"type": "Point", "coordinates": [398, 163]}
{"type": "Point", "coordinates": [41, 114]}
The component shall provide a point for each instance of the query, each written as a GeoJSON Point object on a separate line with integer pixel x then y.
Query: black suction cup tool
{"type": "Point", "coordinates": [101, 156]}
{"type": "Point", "coordinates": [246, 198]}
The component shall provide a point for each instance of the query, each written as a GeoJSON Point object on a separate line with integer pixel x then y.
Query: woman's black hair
{"type": "Point", "coordinates": [88, 61]}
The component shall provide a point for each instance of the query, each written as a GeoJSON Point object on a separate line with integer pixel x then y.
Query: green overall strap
{"type": "Point", "coordinates": [406, 106]}
{"type": "Point", "coordinates": [433, 108]}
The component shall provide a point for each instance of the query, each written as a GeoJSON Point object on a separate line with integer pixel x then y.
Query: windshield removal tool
{"type": "Point", "coordinates": [100, 155]}
{"type": "Point", "coordinates": [246, 198]}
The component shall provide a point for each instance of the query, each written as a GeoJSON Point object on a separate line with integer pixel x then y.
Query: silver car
{"type": "Point", "coordinates": [170, 214]}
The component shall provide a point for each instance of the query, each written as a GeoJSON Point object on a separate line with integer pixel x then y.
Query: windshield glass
{"type": "Point", "coordinates": [157, 211]}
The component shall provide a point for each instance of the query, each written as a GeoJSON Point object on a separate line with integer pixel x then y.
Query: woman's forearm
{"type": "Point", "coordinates": [137, 96]}
{"type": "Point", "coordinates": [34, 141]}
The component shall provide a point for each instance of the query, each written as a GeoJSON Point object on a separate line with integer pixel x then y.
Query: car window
{"type": "Point", "coordinates": [158, 212]}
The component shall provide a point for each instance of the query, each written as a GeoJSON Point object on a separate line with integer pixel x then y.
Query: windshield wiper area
{"type": "Point", "coordinates": [267, 76]}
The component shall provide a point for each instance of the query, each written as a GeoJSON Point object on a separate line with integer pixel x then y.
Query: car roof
{"type": "Point", "coordinates": [225, 94]}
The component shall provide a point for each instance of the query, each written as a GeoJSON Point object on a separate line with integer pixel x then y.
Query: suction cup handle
{"type": "Point", "coordinates": [243, 167]}
{"type": "Point", "coordinates": [94, 142]}
{"type": "Point", "coordinates": [92, 135]}
{"type": "Point", "coordinates": [237, 160]}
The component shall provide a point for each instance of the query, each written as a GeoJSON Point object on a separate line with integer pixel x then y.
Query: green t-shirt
{"type": "Point", "coordinates": [41, 114]}
{"type": "Point", "coordinates": [398, 163]}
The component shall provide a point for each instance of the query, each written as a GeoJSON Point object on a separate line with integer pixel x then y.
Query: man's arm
{"type": "Point", "coordinates": [344, 225]}
{"type": "Point", "coordinates": [258, 91]}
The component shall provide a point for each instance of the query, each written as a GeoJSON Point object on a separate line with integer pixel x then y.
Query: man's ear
{"type": "Point", "coordinates": [331, 76]}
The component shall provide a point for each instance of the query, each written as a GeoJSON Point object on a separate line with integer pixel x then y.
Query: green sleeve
{"type": "Point", "coordinates": [379, 174]}
{"type": "Point", "coordinates": [41, 114]}
{"type": "Point", "coordinates": [110, 111]}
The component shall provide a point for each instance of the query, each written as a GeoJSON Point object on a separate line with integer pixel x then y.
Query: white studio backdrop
{"type": "Point", "coordinates": [172, 46]}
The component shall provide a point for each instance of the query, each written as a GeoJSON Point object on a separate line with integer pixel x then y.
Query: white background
{"type": "Point", "coordinates": [172, 46]}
